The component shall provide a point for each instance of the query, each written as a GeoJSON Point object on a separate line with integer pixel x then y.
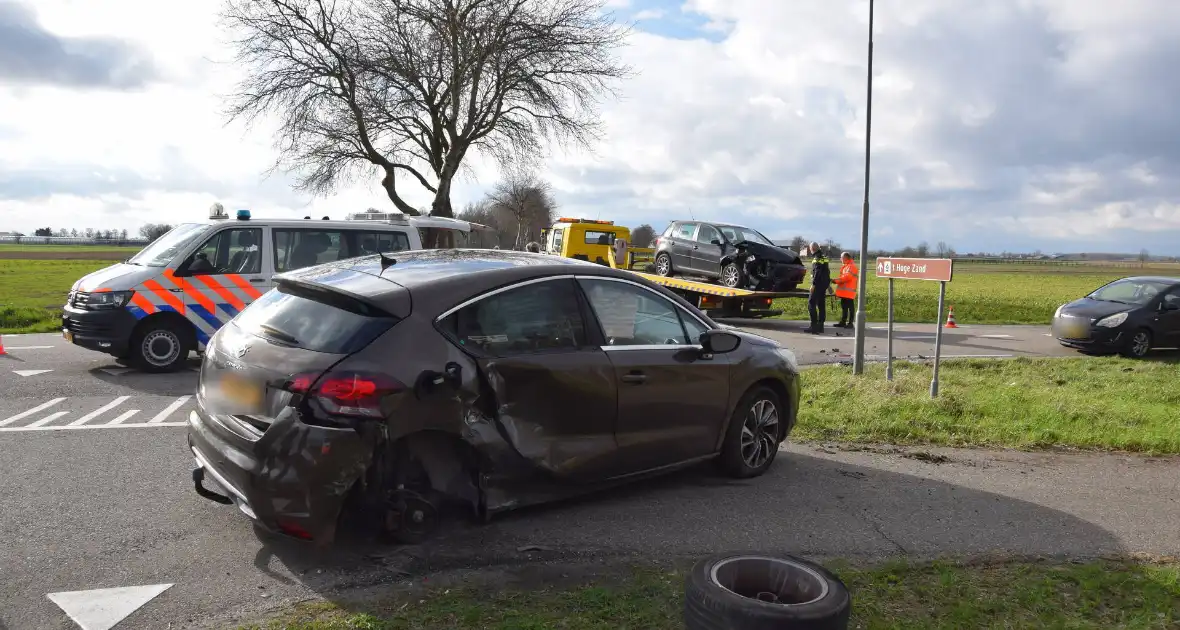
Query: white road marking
{"type": "Point", "coordinates": [996, 336]}
{"type": "Point", "coordinates": [104, 608]}
{"type": "Point", "coordinates": [42, 407]}
{"type": "Point", "coordinates": [121, 419]}
{"type": "Point", "coordinates": [101, 410]}
{"type": "Point", "coordinates": [169, 410]}
{"type": "Point", "coordinates": [29, 372]}
{"type": "Point", "coordinates": [29, 347]}
{"type": "Point", "coordinates": [47, 419]}
{"type": "Point", "coordinates": [118, 371]}
{"type": "Point", "coordinates": [132, 425]}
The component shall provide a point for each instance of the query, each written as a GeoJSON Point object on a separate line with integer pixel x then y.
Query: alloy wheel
{"type": "Point", "coordinates": [729, 276]}
{"type": "Point", "coordinates": [760, 433]}
{"type": "Point", "coordinates": [663, 265]}
{"type": "Point", "coordinates": [1140, 343]}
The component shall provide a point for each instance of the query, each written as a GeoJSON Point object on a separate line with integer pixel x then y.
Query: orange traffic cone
{"type": "Point", "coordinates": [1, 345]}
{"type": "Point", "coordinates": [950, 318]}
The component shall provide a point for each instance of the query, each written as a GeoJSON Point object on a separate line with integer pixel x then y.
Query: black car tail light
{"type": "Point", "coordinates": [346, 393]}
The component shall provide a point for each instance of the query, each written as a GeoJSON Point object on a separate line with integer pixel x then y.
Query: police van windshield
{"type": "Point", "coordinates": [164, 249]}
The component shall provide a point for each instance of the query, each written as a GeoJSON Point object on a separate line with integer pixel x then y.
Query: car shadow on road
{"type": "Point", "coordinates": [171, 384]}
{"type": "Point", "coordinates": [806, 504]}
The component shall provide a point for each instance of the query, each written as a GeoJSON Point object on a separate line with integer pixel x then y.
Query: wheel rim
{"type": "Point", "coordinates": [729, 276]}
{"type": "Point", "coordinates": [662, 265]}
{"type": "Point", "coordinates": [160, 347]}
{"type": "Point", "coordinates": [760, 433]}
{"type": "Point", "coordinates": [1140, 344]}
{"type": "Point", "coordinates": [776, 581]}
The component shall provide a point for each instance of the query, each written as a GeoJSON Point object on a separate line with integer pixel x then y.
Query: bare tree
{"type": "Point", "coordinates": [942, 250]}
{"type": "Point", "coordinates": [642, 236]}
{"type": "Point", "coordinates": [798, 243]}
{"type": "Point", "coordinates": [153, 231]}
{"type": "Point", "coordinates": [412, 87]}
{"type": "Point", "coordinates": [527, 199]}
{"type": "Point", "coordinates": [923, 249]}
{"type": "Point", "coordinates": [1144, 255]}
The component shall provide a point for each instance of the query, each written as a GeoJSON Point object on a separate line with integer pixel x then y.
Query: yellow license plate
{"type": "Point", "coordinates": [68, 335]}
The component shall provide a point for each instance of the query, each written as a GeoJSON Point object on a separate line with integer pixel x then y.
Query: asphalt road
{"type": "Point", "coordinates": [111, 505]}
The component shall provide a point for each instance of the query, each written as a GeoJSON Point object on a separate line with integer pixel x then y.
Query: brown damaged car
{"type": "Point", "coordinates": [386, 390]}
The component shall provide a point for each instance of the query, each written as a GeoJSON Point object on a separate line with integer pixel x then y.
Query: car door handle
{"type": "Point", "coordinates": [634, 378]}
{"type": "Point", "coordinates": [695, 247]}
{"type": "Point", "coordinates": [258, 280]}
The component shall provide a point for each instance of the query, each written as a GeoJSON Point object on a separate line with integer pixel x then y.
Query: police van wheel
{"type": "Point", "coordinates": [160, 347]}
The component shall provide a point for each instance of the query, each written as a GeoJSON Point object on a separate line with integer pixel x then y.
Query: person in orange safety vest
{"type": "Point", "coordinates": [846, 290]}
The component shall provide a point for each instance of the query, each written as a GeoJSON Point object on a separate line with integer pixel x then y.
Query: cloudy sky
{"type": "Point", "coordinates": [997, 125]}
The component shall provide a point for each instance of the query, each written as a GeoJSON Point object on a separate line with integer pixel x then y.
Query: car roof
{"type": "Point", "coordinates": [312, 224]}
{"type": "Point", "coordinates": [1160, 279]}
{"type": "Point", "coordinates": [713, 223]}
{"type": "Point", "coordinates": [439, 279]}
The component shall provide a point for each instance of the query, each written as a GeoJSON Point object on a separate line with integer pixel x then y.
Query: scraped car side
{"type": "Point", "coordinates": [486, 380]}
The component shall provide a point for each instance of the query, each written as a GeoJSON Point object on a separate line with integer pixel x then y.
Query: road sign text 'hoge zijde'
{"type": "Point", "coordinates": [936, 269]}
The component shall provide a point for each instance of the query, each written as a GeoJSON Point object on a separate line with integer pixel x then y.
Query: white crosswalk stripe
{"type": "Point", "coordinates": [95, 413]}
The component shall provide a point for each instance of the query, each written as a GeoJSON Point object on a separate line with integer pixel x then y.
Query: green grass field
{"type": "Point", "coordinates": [943, 595]}
{"type": "Point", "coordinates": [984, 294]}
{"type": "Point", "coordinates": [35, 279]}
{"type": "Point", "coordinates": [33, 291]}
{"type": "Point", "coordinates": [1086, 403]}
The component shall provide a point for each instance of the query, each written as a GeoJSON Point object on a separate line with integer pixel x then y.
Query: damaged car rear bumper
{"type": "Point", "coordinates": [270, 480]}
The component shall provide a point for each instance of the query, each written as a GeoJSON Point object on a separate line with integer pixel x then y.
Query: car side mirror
{"type": "Point", "coordinates": [719, 341]}
{"type": "Point", "coordinates": [715, 242]}
{"type": "Point", "coordinates": [1170, 306]}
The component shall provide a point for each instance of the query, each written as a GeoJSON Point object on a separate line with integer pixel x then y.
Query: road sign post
{"type": "Point", "coordinates": [889, 337]}
{"type": "Point", "coordinates": [939, 270]}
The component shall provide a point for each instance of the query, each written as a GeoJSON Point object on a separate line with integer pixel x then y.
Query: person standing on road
{"type": "Point", "coordinates": [846, 290]}
{"type": "Point", "coordinates": [821, 284]}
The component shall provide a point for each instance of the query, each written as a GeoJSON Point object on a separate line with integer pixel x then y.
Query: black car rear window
{"type": "Point", "coordinates": [312, 320]}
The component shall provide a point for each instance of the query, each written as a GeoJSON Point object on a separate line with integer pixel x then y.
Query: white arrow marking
{"type": "Point", "coordinates": [29, 347]}
{"type": "Point", "coordinates": [103, 608]}
{"type": "Point", "coordinates": [996, 336]}
{"type": "Point", "coordinates": [30, 372]}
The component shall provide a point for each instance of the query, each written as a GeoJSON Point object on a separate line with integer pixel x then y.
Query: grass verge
{"type": "Point", "coordinates": [1088, 403]}
{"type": "Point", "coordinates": [979, 295]}
{"type": "Point", "coordinates": [33, 291]}
{"type": "Point", "coordinates": [1008, 594]}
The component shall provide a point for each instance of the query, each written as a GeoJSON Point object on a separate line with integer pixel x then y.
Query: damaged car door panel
{"type": "Point", "coordinates": [486, 380]}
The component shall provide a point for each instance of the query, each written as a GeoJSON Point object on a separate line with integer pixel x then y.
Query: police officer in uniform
{"type": "Point", "coordinates": [821, 284]}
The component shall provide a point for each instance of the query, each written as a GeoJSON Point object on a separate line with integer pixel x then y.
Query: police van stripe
{"type": "Point", "coordinates": [225, 294]}
{"type": "Point", "coordinates": [231, 311]}
{"type": "Point", "coordinates": [209, 318]}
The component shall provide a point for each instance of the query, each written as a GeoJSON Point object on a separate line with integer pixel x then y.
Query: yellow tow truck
{"type": "Point", "coordinates": [605, 243]}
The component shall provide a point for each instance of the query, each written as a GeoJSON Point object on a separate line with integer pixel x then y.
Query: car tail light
{"type": "Point", "coordinates": [346, 393]}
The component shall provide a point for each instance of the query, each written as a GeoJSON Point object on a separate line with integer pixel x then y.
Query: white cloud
{"type": "Point", "coordinates": [1045, 122]}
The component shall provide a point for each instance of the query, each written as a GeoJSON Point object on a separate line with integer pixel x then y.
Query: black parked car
{"type": "Point", "coordinates": [732, 255]}
{"type": "Point", "coordinates": [1130, 316]}
{"type": "Point", "coordinates": [485, 380]}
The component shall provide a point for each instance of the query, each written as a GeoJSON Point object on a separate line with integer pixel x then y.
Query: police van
{"type": "Point", "coordinates": [166, 301]}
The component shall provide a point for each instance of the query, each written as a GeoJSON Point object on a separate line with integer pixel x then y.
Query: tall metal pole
{"type": "Point", "coordinates": [858, 357]}
{"type": "Point", "coordinates": [938, 339]}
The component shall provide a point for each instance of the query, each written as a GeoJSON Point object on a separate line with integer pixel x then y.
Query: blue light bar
{"type": "Point", "coordinates": [243, 215]}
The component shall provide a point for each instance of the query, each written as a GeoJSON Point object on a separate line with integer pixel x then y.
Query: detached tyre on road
{"type": "Point", "coordinates": [759, 592]}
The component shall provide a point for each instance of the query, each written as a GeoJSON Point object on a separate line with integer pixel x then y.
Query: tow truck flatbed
{"type": "Point", "coordinates": [716, 299]}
